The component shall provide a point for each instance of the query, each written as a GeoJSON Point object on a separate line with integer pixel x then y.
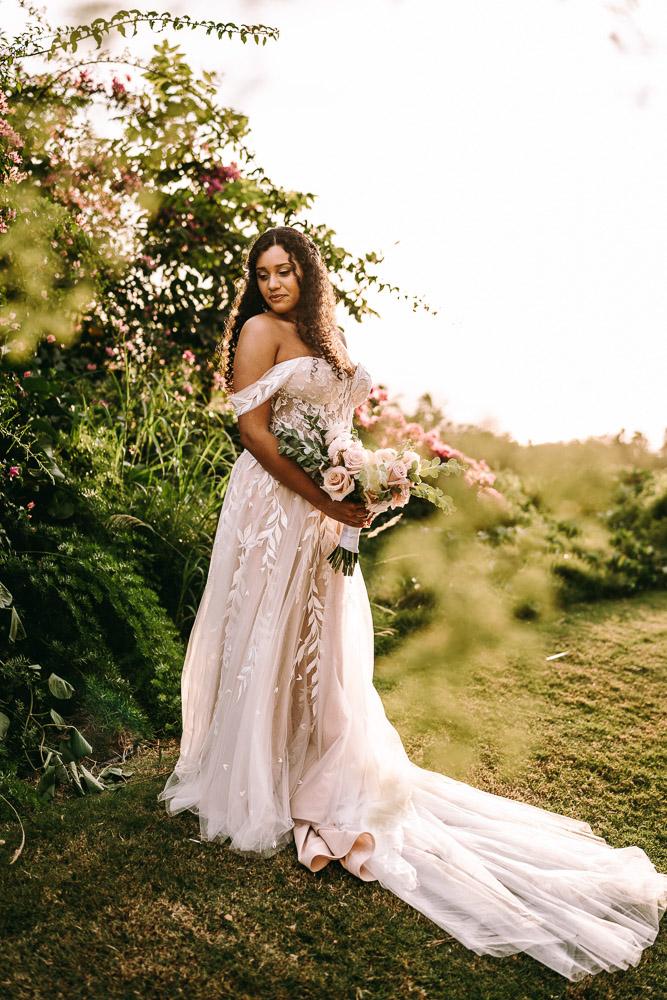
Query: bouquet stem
{"type": "Point", "coordinates": [346, 554]}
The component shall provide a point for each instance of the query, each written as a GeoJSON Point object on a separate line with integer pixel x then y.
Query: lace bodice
{"type": "Point", "coordinates": [305, 385]}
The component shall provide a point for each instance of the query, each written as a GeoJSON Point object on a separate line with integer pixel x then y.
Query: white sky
{"type": "Point", "coordinates": [510, 160]}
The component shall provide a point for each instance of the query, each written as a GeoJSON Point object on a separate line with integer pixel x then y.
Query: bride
{"type": "Point", "coordinates": [284, 735]}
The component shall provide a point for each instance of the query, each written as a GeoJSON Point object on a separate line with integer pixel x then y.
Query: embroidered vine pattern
{"type": "Point", "coordinates": [235, 596]}
{"type": "Point", "coordinates": [308, 652]}
{"type": "Point", "coordinates": [275, 521]}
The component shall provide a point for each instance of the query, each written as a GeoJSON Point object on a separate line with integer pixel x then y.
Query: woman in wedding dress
{"type": "Point", "coordinates": [284, 735]}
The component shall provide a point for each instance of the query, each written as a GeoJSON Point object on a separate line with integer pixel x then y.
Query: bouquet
{"type": "Point", "coordinates": [381, 479]}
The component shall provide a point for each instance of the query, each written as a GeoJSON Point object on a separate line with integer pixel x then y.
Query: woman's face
{"type": "Point", "coordinates": [277, 281]}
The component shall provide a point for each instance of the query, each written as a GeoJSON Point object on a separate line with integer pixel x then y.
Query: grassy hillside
{"type": "Point", "coordinates": [112, 898]}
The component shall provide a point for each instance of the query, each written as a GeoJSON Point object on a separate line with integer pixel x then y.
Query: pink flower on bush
{"type": "Point", "coordinates": [91, 367]}
{"type": "Point", "coordinates": [215, 179]}
{"type": "Point", "coordinates": [85, 81]}
{"type": "Point", "coordinates": [187, 387]}
{"type": "Point", "coordinates": [14, 471]}
{"type": "Point", "coordinates": [30, 505]}
{"type": "Point", "coordinates": [118, 89]}
{"type": "Point", "coordinates": [414, 430]}
{"type": "Point", "coordinates": [188, 357]}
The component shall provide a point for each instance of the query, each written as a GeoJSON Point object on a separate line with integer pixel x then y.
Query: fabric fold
{"type": "Point", "coordinates": [316, 848]}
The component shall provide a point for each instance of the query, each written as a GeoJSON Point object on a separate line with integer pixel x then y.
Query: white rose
{"type": "Point", "coordinates": [412, 458]}
{"type": "Point", "coordinates": [337, 482]}
{"type": "Point", "coordinates": [386, 455]}
{"type": "Point", "coordinates": [338, 429]}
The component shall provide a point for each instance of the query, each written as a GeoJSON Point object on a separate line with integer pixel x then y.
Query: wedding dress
{"type": "Point", "coordinates": [286, 739]}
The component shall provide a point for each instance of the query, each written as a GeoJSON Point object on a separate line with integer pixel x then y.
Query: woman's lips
{"type": "Point", "coordinates": [275, 298]}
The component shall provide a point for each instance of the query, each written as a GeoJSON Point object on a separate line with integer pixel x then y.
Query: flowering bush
{"type": "Point", "coordinates": [386, 422]}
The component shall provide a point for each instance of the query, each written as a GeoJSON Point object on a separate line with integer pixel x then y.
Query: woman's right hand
{"type": "Point", "coordinates": [352, 512]}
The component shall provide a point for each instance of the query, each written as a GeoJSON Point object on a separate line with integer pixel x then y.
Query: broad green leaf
{"type": "Point", "coordinates": [75, 747]}
{"type": "Point", "coordinates": [47, 783]}
{"type": "Point", "coordinates": [16, 630]}
{"type": "Point", "coordinates": [59, 687]}
{"type": "Point", "coordinates": [57, 718]}
{"type": "Point", "coordinates": [92, 785]}
{"type": "Point", "coordinates": [6, 599]}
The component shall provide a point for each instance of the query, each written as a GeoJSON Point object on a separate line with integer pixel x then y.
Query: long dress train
{"type": "Point", "coordinates": [286, 739]}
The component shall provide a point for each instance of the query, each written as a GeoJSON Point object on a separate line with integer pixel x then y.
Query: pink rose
{"type": "Point", "coordinates": [400, 497]}
{"type": "Point", "coordinates": [338, 445]}
{"type": "Point", "coordinates": [397, 473]}
{"type": "Point", "coordinates": [353, 457]}
{"type": "Point", "coordinates": [337, 482]}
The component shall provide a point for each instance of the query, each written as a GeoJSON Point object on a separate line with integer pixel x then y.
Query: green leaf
{"type": "Point", "coordinates": [46, 787]}
{"type": "Point", "coordinates": [93, 786]}
{"type": "Point", "coordinates": [115, 772]}
{"type": "Point", "coordinates": [16, 630]}
{"type": "Point", "coordinates": [74, 771]}
{"type": "Point", "coordinates": [4, 725]}
{"type": "Point", "coordinates": [6, 599]}
{"type": "Point", "coordinates": [75, 747]}
{"type": "Point", "coordinates": [57, 718]}
{"type": "Point", "coordinates": [59, 687]}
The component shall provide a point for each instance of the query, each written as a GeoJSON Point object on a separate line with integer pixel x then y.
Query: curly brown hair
{"type": "Point", "coordinates": [316, 318]}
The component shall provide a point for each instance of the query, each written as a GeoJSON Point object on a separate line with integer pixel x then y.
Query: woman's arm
{"type": "Point", "coordinates": [256, 351]}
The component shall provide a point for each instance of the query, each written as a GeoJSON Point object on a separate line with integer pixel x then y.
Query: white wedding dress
{"type": "Point", "coordinates": [285, 738]}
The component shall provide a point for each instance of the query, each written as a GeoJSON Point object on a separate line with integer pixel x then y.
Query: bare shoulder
{"type": "Point", "coordinates": [257, 331]}
{"type": "Point", "coordinates": [256, 350]}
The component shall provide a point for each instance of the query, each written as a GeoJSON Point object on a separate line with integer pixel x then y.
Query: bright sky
{"type": "Point", "coordinates": [509, 159]}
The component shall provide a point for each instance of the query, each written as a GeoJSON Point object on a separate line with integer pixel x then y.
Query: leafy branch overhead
{"type": "Point", "coordinates": [128, 202]}
{"type": "Point", "coordinates": [47, 42]}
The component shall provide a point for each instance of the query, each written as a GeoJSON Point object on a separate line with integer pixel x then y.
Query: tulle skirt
{"type": "Point", "coordinates": [286, 739]}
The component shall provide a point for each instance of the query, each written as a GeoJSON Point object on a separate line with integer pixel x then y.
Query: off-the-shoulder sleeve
{"type": "Point", "coordinates": [258, 392]}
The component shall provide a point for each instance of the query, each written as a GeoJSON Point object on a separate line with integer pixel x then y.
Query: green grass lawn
{"type": "Point", "coordinates": [112, 898]}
